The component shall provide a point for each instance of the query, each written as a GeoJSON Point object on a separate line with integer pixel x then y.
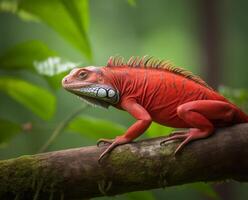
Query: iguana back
{"type": "Point", "coordinates": [160, 88]}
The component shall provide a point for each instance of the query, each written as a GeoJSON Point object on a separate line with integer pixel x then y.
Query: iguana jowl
{"type": "Point", "coordinates": [153, 90]}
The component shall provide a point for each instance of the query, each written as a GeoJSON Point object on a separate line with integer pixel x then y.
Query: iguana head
{"type": "Point", "coordinates": [91, 86]}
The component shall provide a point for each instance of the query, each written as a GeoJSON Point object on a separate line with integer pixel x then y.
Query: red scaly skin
{"type": "Point", "coordinates": [169, 99]}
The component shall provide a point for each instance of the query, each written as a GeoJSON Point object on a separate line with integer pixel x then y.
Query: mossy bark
{"type": "Point", "coordinates": [76, 174]}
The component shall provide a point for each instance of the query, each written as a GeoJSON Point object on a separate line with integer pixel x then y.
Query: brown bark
{"type": "Point", "coordinates": [76, 174]}
{"type": "Point", "coordinates": [210, 32]}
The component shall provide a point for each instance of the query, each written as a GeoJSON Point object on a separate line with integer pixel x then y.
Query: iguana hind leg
{"type": "Point", "coordinates": [199, 115]}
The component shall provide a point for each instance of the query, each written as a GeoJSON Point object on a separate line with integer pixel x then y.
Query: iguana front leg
{"type": "Point", "coordinates": [143, 122]}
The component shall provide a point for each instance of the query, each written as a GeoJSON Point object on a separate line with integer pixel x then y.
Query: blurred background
{"type": "Point", "coordinates": [41, 40]}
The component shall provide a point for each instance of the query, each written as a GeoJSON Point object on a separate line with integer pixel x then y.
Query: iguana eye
{"type": "Point", "coordinates": [82, 75]}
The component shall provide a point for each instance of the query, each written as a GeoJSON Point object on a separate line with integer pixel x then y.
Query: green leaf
{"type": "Point", "coordinates": [95, 128]}
{"type": "Point", "coordinates": [78, 10]}
{"type": "Point", "coordinates": [12, 7]}
{"type": "Point", "coordinates": [23, 56]}
{"type": "Point", "coordinates": [206, 189]}
{"type": "Point", "coordinates": [156, 130]}
{"type": "Point", "coordinates": [68, 18]}
{"type": "Point", "coordinates": [8, 130]}
{"type": "Point", "coordinates": [8, 6]}
{"type": "Point", "coordinates": [36, 56]}
{"type": "Point", "coordinates": [35, 98]}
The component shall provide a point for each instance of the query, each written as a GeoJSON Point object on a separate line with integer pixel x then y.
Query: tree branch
{"type": "Point", "coordinates": [76, 174]}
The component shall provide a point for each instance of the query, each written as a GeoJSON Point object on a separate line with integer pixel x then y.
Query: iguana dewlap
{"type": "Point", "coordinates": [153, 90]}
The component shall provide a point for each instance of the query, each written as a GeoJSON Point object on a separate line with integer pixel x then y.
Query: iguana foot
{"type": "Point", "coordinates": [186, 136]}
{"type": "Point", "coordinates": [176, 136]}
{"type": "Point", "coordinates": [113, 143]}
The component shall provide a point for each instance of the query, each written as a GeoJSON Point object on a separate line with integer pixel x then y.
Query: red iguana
{"type": "Point", "coordinates": [153, 90]}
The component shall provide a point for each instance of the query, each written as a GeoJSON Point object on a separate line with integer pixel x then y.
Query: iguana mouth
{"type": "Point", "coordinates": [97, 95]}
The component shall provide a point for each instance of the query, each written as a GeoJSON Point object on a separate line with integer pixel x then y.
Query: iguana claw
{"type": "Point", "coordinates": [109, 149]}
{"type": "Point", "coordinates": [175, 135]}
{"type": "Point", "coordinates": [113, 143]}
{"type": "Point", "coordinates": [104, 141]}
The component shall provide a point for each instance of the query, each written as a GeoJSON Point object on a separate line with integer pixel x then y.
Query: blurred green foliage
{"type": "Point", "coordinates": [29, 95]}
{"type": "Point", "coordinates": [41, 40]}
{"type": "Point", "coordinates": [156, 130]}
{"type": "Point", "coordinates": [95, 128]}
{"type": "Point", "coordinates": [237, 96]}
{"type": "Point", "coordinates": [22, 56]}
{"type": "Point", "coordinates": [12, 129]}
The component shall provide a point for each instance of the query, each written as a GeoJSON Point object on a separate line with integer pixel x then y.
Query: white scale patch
{"type": "Point", "coordinates": [102, 93]}
{"type": "Point", "coordinates": [111, 93]}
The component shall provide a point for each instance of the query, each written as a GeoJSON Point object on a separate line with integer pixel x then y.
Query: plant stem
{"type": "Point", "coordinates": [61, 126]}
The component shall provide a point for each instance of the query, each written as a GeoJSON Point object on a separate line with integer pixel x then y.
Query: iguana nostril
{"type": "Point", "coordinates": [64, 81]}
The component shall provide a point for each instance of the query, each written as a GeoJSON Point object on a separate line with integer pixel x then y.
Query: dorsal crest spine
{"type": "Point", "coordinates": [151, 62]}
